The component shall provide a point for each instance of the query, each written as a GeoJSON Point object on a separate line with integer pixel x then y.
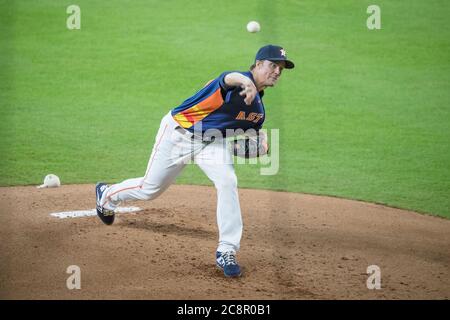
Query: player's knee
{"type": "Point", "coordinates": [228, 181]}
{"type": "Point", "coordinates": [150, 192]}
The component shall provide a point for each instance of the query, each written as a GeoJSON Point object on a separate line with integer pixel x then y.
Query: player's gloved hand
{"type": "Point", "coordinates": [251, 147]}
{"type": "Point", "coordinates": [249, 91]}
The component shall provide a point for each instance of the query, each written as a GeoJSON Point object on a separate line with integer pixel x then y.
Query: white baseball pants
{"type": "Point", "coordinates": [173, 149]}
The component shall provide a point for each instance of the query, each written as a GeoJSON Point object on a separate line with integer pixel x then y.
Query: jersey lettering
{"type": "Point", "coordinates": [252, 116]}
{"type": "Point", "coordinates": [241, 116]}
{"type": "Point", "coordinates": [258, 117]}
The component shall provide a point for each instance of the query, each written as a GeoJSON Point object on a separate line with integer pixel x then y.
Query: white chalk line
{"type": "Point", "coordinates": [92, 212]}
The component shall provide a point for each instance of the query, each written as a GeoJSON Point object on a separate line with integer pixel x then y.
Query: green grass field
{"type": "Point", "coordinates": [364, 115]}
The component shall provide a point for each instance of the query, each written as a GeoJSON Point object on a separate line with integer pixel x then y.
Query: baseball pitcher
{"type": "Point", "coordinates": [197, 131]}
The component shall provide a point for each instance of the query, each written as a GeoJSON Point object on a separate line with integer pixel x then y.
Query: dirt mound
{"type": "Point", "coordinates": [294, 246]}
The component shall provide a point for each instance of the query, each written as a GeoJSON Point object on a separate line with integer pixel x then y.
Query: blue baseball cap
{"type": "Point", "coordinates": [274, 53]}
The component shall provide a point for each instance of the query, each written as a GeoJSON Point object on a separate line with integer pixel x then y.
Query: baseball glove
{"type": "Point", "coordinates": [250, 147]}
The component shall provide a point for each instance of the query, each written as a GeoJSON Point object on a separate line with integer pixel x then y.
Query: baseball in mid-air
{"type": "Point", "coordinates": [253, 26]}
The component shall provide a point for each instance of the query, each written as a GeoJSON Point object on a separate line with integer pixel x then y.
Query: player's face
{"type": "Point", "coordinates": [270, 72]}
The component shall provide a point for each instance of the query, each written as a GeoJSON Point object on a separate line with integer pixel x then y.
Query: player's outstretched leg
{"type": "Point", "coordinates": [166, 161]}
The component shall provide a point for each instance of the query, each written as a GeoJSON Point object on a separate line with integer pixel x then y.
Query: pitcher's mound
{"type": "Point", "coordinates": [294, 246]}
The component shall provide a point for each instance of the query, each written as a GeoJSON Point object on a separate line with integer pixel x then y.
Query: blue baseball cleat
{"type": "Point", "coordinates": [107, 216]}
{"type": "Point", "coordinates": [226, 261]}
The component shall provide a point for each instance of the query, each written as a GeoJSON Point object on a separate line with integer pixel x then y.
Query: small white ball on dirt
{"type": "Point", "coordinates": [253, 27]}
